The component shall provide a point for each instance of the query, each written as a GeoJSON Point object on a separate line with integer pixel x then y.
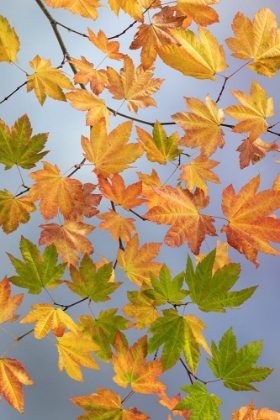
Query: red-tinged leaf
{"type": "Point", "coordinates": [14, 210]}
{"type": "Point", "coordinates": [148, 182]}
{"type": "Point", "coordinates": [86, 207]}
{"type": "Point", "coordinates": [120, 227]}
{"type": "Point", "coordinates": [88, 74]}
{"type": "Point", "coordinates": [254, 151]}
{"type": "Point", "coordinates": [8, 305]}
{"type": "Point", "coordinates": [171, 403]}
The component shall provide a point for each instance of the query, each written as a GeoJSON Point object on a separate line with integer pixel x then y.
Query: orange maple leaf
{"type": "Point", "coordinates": [88, 74]}
{"type": "Point", "coordinates": [120, 227]}
{"type": "Point", "coordinates": [8, 305]}
{"type": "Point", "coordinates": [68, 239]}
{"type": "Point", "coordinates": [12, 375]}
{"type": "Point", "coordinates": [253, 111]}
{"type": "Point", "coordinates": [250, 227]}
{"type": "Point", "coordinates": [248, 413]}
{"type": "Point", "coordinates": [198, 172]}
{"type": "Point", "coordinates": [181, 210]}
{"type": "Point", "coordinates": [110, 153]}
{"type": "Point", "coordinates": [57, 193]}
{"type": "Point", "coordinates": [254, 151]}
{"type": "Point", "coordinates": [110, 48]}
{"type": "Point", "coordinates": [137, 262]}
{"type": "Point", "coordinates": [148, 182]}
{"type": "Point", "coordinates": [85, 8]}
{"type": "Point", "coordinates": [131, 367]}
{"type": "Point", "coordinates": [121, 196]}
{"type": "Point", "coordinates": [87, 207]}
{"type": "Point", "coordinates": [14, 210]}
{"type": "Point", "coordinates": [47, 81]}
{"type": "Point", "coordinates": [171, 403]}
{"type": "Point", "coordinates": [199, 11]}
{"type": "Point", "coordinates": [202, 125]}
{"type": "Point", "coordinates": [151, 37]}
{"type": "Point", "coordinates": [133, 86]}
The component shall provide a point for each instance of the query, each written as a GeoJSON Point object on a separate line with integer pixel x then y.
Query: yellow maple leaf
{"type": "Point", "coordinates": [199, 11]}
{"type": "Point", "coordinates": [253, 112]}
{"type": "Point", "coordinates": [259, 40]}
{"type": "Point", "coordinates": [85, 8]}
{"type": "Point", "coordinates": [88, 74]}
{"type": "Point", "coordinates": [86, 101]}
{"type": "Point", "coordinates": [202, 126]}
{"type": "Point", "coordinates": [47, 81]}
{"type": "Point", "coordinates": [8, 305]}
{"type": "Point", "coordinates": [132, 7]}
{"type": "Point", "coordinates": [141, 308]}
{"type": "Point", "coordinates": [74, 352]}
{"type": "Point", "coordinates": [48, 319]}
{"type": "Point", "coordinates": [110, 48]}
{"type": "Point", "coordinates": [9, 42]}
{"type": "Point", "coordinates": [201, 59]}
{"type": "Point", "coordinates": [14, 210]}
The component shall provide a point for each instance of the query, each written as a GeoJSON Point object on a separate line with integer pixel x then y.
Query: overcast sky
{"type": "Point", "coordinates": [256, 319]}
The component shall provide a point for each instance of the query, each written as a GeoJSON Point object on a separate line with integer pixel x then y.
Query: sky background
{"type": "Point", "coordinates": [256, 319]}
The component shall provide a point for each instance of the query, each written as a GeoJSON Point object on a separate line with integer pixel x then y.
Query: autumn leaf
{"type": "Point", "coordinates": [68, 239]}
{"type": "Point", "coordinates": [234, 367]}
{"type": "Point", "coordinates": [134, 86]}
{"type": "Point", "coordinates": [141, 308]}
{"type": "Point", "coordinates": [199, 11]}
{"type": "Point", "coordinates": [8, 305]}
{"type": "Point", "coordinates": [36, 271]}
{"type": "Point", "coordinates": [110, 153]}
{"type": "Point", "coordinates": [85, 8]}
{"type": "Point", "coordinates": [181, 210]}
{"type": "Point", "coordinates": [12, 375]}
{"type": "Point", "coordinates": [132, 7]}
{"type": "Point", "coordinates": [254, 151]}
{"type": "Point", "coordinates": [259, 40]}
{"type": "Point", "coordinates": [57, 193]}
{"type": "Point", "coordinates": [47, 81]}
{"type": "Point", "coordinates": [131, 367]}
{"type": "Point", "coordinates": [106, 404]}
{"type": "Point", "coordinates": [87, 101]}
{"type": "Point", "coordinates": [178, 334]}
{"type": "Point", "coordinates": [14, 210]}
{"type": "Point", "coordinates": [171, 403]}
{"type": "Point", "coordinates": [119, 227]}
{"type": "Point", "coordinates": [211, 291]}
{"type": "Point", "coordinates": [202, 126]}
{"type": "Point", "coordinates": [17, 147]}
{"type": "Point", "coordinates": [159, 147]}
{"type": "Point", "coordinates": [200, 59]}
{"type": "Point", "coordinates": [198, 172]}
{"type": "Point", "coordinates": [250, 226]}
{"type": "Point", "coordinates": [151, 37]}
{"type": "Point", "coordinates": [110, 48]}
{"type": "Point", "coordinates": [9, 42]}
{"type": "Point", "coordinates": [86, 207]}
{"type": "Point", "coordinates": [137, 262]}
{"type": "Point", "coordinates": [148, 182]}
{"type": "Point", "coordinates": [221, 257]}
{"type": "Point", "coordinates": [88, 74]}
{"type": "Point", "coordinates": [253, 111]}
{"type": "Point", "coordinates": [248, 413]}
{"type": "Point", "coordinates": [48, 319]}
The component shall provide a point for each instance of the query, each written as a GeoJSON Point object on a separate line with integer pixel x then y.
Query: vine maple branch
{"type": "Point", "coordinates": [14, 91]}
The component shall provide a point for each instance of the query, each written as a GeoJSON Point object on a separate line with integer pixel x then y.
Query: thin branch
{"type": "Point", "coordinates": [77, 167]}
{"type": "Point", "coordinates": [188, 371]}
{"type": "Point", "coordinates": [18, 88]}
{"type": "Point", "coordinates": [222, 89]}
{"type": "Point", "coordinates": [71, 30]}
{"type": "Point", "coordinates": [138, 215]}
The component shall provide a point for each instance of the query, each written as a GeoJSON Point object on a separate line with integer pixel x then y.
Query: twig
{"type": "Point", "coordinates": [18, 88]}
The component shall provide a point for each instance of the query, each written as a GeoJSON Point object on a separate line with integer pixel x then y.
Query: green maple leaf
{"type": "Point", "coordinates": [203, 405]}
{"type": "Point", "coordinates": [178, 333]}
{"type": "Point", "coordinates": [36, 271]}
{"type": "Point", "coordinates": [234, 367]}
{"type": "Point", "coordinates": [103, 330]}
{"type": "Point", "coordinates": [92, 283]}
{"type": "Point", "coordinates": [211, 292]}
{"type": "Point", "coordinates": [165, 289]}
{"type": "Point", "coordinates": [18, 147]}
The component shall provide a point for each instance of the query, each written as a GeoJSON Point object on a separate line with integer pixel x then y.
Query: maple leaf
{"type": "Point", "coordinates": [141, 308]}
{"type": "Point", "coordinates": [204, 406]}
{"type": "Point", "coordinates": [181, 211]}
{"type": "Point", "coordinates": [8, 304]}
{"type": "Point", "coordinates": [121, 196]}
{"type": "Point", "coordinates": [12, 375]}
{"type": "Point", "coordinates": [151, 37]}
{"type": "Point", "coordinates": [36, 271]}
{"type": "Point", "coordinates": [198, 172]}
{"type": "Point", "coordinates": [102, 330]}
{"type": "Point", "coordinates": [9, 42]}
{"type": "Point", "coordinates": [250, 227]}
{"type": "Point", "coordinates": [133, 86]}
{"type": "Point", "coordinates": [234, 367]}
{"type": "Point", "coordinates": [86, 207]}
{"type": "Point", "coordinates": [253, 111]}
{"type": "Point", "coordinates": [211, 291]}
{"type": "Point", "coordinates": [178, 333]}
{"type": "Point", "coordinates": [254, 151]}
{"type": "Point", "coordinates": [47, 81]}
{"type": "Point", "coordinates": [148, 182]}
{"type": "Point", "coordinates": [85, 8]}
{"type": "Point", "coordinates": [199, 11]}
{"type": "Point", "coordinates": [165, 290]}
{"type": "Point", "coordinates": [248, 413]}
{"type": "Point", "coordinates": [17, 147]}
{"type": "Point", "coordinates": [201, 59]}
{"type": "Point", "coordinates": [106, 404]}
{"type": "Point", "coordinates": [259, 40]}
{"type": "Point", "coordinates": [68, 239]}
{"type": "Point", "coordinates": [74, 352]}
{"type": "Point", "coordinates": [14, 210]}
{"type": "Point", "coordinates": [88, 74]}
{"type": "Point", "coordinates": [159, 147]}
{"type": "Point", "coordinates": [86, 101]}
{"type": "Point", "coordinates": [171, 402]}
{"type": "Point", "coordinates": [57, 193]}
{"type": "Point", "coordinates": [48, 319]}
{"type": "Point", "coordinates": [110, 153]}
{"type": "Point", "coordinates": [110, 48]}
{"type": "Point", "coordinates": [131, 367]}
{"type": "Point", "coordinates": [221, 257]}
{"type": "Point", "coordinates": [137, 262]}
{"type": "Point", "coordinates": [120, 227]}
{"type": "Point", "coordinates": [202, 125]}
{"type": "Point", "coordinates": [132, 7]}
